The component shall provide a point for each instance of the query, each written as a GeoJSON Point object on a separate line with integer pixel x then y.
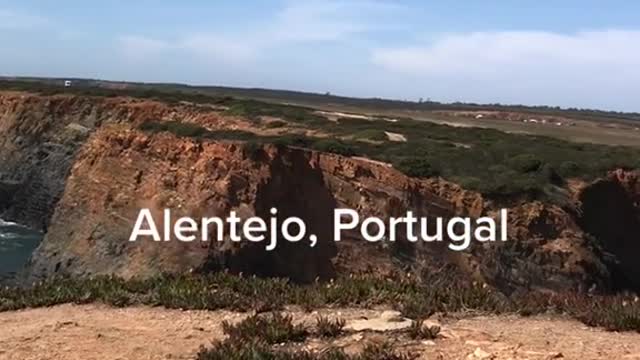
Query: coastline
{"type": "Point", "coordinates": [17, 243]}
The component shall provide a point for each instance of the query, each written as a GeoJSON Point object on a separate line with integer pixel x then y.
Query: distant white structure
{"type": "Point", "coordinates": [479, 116]}
{"type": "Point", "coordinates": [67, 83]}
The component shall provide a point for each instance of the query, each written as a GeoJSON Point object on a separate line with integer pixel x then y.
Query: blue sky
{"type": "Point", "coordinates": [567, 53]}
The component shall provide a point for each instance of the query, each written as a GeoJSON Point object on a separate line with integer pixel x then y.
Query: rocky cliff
{"type": "Point", "coordinates": [40, 136]}
{"type": "Point", "coordinates": [85, 170]}
{"type": "Point", "coordinates": [36, 149]}
{"type": "Point", "coordinates": [611, 213]}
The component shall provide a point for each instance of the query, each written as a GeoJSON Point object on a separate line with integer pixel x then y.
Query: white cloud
{"type": "Point", "coordinates": [140, 47]}
{"type": "Point", "coordinates": [517, 52]}
{"type": "Point", "coordinates": [15, 20]}
{"type": "Point", "coordinates": [297, 23]}
{"type": "Point", "coordinates": [209, 46]}
{"type": "Point", "coordinates": [587, 69]}
{"type": "Point", "coordinates": [303, 21]}
{"type": "Point", "coordinates": [219, 47]}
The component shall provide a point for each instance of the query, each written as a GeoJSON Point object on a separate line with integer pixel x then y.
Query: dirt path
{"type": "Point", "coordinates": [98, 332]}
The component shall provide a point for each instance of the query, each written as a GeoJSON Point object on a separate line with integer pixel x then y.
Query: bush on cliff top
{"type": "Point", "coordinates": [489, 161]}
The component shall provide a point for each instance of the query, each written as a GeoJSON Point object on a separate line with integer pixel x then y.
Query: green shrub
{"type": "Point", "coordinates": [177, 128]}
{"type": "Point", "coordinates": [372, 134]}
{"type": "Point", "coordinates": [549, 175]}
{"type": "Point", "coordinates": [417, 307]}
{"type": "Point", "coordinates": [525, 163]}
{"type": "Point", "coordinates": [417, 167]}
{"type": "Point", "coordinates": [569, 169]}
{"type": "Point", "coordinates": [275, 124]}
{"type": "Point", "coordinates": [293, 140]}
{"type": "Point", "coordinates": [334, 146]}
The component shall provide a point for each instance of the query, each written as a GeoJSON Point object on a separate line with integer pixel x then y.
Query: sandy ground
{"type": "Point", "coordinates": [72, 332]}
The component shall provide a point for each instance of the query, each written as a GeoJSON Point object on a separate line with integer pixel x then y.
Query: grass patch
{"type": "Point", "coordinates": [229, 350]}
{"type": "Point", "coordinates": [328, 328]}
{"type": "Point", "coordinates": [419, 331]}
{"type": "Point", "coordinates": [181, 129]}
{"type": "Point", "coordinates": [373, 135]}
{"type": "Point", "coordinates": [274, 328]}
{"type": "Point", "coordinates": [417, 300]}
{"type": "Point", "coordinates": [417, 167]}
{"type": "Point", "coordinates": [253, 110]}
{"type": "Point", "coordinates": [270, 336]}
{"type": "Point", "coordinates": [334, 146]}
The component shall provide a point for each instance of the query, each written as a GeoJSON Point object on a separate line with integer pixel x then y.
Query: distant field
{"type": "Point", "coordinates": [590, 126]}
{"type": "Point", "coordinates": [322, 100]}
{"type": "Point", "coordinates": [615, 132]}
{"type": "Point", "coordinates": [582, 132]}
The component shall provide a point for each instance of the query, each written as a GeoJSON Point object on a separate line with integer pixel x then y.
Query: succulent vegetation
{"type": "Point", "coordinates": [230, 350]}
{"type": "Point", "coordinates": [326, 327]}
{"type": "Point", "coordinates": [419, 331]}
{"type": "Point", "coordinates": [417, 300]}
{"type": "Point", "coordinates": [274, 328]}
{"type": "Point", "coordinates": [270, 336]}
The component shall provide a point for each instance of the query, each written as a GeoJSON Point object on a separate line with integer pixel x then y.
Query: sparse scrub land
{"type": "Point", "coordinates": [416, 300]}
{"type": "Point", "coordinates": [274, 328]}
{"type": "Point", "coordinates": [489, 161]}
{"type": "Point", "coordinates": [229, 350]}
{"type": "Point", "coordinates": [183, 91]}
{"type": "Point", "coordinates": [271, 336]}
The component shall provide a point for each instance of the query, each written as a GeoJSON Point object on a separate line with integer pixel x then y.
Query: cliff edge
{"type": "Point", "coordinates": [85, 169]}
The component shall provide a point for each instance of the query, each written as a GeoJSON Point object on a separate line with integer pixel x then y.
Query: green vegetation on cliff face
{"type": "Point", "coordinates": [489, 161]}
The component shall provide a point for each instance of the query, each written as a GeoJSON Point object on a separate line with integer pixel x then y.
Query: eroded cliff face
{"type": "Point", "coordinates": [38, 139]}
{"type": "Point", "coordinates": [111, 170]}
{"type": "Point", "coordinates": [121, 170]}
{"type": "Point", "coordinates": [40, 135]}
{"type": "Point", "coordinates": [611, 213]}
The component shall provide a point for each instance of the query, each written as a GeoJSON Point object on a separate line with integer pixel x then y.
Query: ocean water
{"type": "Point", "coordinates": [16, 245]}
